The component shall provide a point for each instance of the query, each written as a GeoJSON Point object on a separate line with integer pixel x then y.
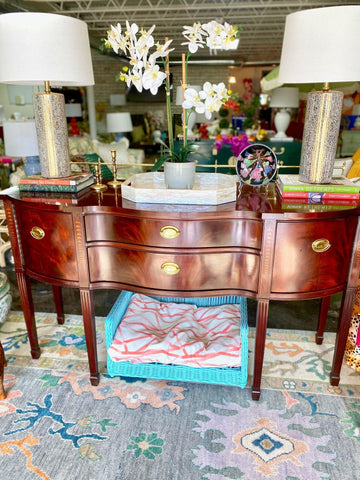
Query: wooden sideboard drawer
{"type": "Point", "coordinates": [312, 256]}
{"type": "Point", "coordinates": [174, 233]}
{"type": "Point", "coordinates": [48, 243]}
{"type": "Point", "coordinates": [158, 270]}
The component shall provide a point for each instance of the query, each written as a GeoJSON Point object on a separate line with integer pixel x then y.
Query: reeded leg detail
{"type": "Point", "coordinates": [261, 324]}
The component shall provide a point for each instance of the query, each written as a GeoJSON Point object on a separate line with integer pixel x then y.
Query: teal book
{"type": "Point", "coordinates": [33, 187]}
{"type": "Point", "coordinates": [291, 183]}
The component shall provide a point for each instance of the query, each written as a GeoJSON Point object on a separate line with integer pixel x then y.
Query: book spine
{"type": "Point", "coordinates": [328, 195]}
{"type": "Point", "coordinates": [326, 201]}
{"type": "Point", "coordinates": [315, 208]}
{"type": "Point", "coordinates": [54, 188]}
{"type": "Point", "coordinates": [50, 200]}
{"type": "Point", "coordinates": [320, 188]}
{"type": "Point", "coordinates": [54, 181]}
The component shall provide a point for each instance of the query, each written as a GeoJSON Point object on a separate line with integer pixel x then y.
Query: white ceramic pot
{"type": "Point", "coordinates": [179, 175]}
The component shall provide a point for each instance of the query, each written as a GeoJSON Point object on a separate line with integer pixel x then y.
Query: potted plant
{"type": "Point", "coordinates": [145, 74]}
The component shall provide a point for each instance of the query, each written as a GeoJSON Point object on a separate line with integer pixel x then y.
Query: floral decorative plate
{"type": "Point", "coordinates": [256, 165]}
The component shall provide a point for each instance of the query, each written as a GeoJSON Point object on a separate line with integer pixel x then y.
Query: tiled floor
{"type": "Point", "coordinates": [299, 315]}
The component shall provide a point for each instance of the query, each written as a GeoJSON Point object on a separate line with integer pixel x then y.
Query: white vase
{"type": "Point", "coordinates": [157, 136]}
{"type": "Point", "coordinates": [179, 175]}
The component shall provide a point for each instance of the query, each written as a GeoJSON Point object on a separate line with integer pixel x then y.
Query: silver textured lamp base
{"type": "Point", "coordinates": [321, 131]}
{"type": "Point", "coordinates": [52, 135]}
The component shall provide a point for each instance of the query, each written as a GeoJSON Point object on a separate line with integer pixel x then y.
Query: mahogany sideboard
{"type": "Point", "coordinates": [254, 247]}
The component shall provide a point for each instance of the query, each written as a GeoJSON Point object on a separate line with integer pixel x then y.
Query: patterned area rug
{"type": "Point", "coordinates": [56, 426]}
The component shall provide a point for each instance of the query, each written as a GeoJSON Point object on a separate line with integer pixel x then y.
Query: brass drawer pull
{"type": "Point", "coordinates": [170, 268]}
{"type": "Point", "coordinates": [321, 245]}
{"type": "Point", "coordinates": [37, 233]}
{"type": "Point", "coordinates": [169, 231]}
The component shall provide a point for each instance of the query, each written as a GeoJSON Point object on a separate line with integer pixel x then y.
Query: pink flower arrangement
{"type": "Point", "coordinates": [237, 143]}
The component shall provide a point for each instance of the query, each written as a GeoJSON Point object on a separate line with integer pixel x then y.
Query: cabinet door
{"type": "Point", "coordinates": [47, 241]}
{"type": "Point", "coordinates": [299, 267]}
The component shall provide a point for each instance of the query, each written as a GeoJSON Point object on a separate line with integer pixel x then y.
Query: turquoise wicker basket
{"type": "Point", "coordinates": [224, 376]}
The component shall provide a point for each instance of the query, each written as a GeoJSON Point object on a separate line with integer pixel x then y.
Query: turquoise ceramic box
{"type": "Point", "coordinates": [236, 376]}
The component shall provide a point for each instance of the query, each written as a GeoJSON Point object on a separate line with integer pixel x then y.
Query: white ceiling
{"type": "Point", "coordinates": [262, 21]}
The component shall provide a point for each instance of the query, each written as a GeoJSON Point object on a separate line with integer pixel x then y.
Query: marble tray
{"type": "Point", "coordinates": [209, 189]}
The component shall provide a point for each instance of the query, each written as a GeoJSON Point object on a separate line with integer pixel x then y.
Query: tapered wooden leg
{"type": "Point", "coordinates": [261, 325]}
{"type": "Point", "coordinates": [324, 309]}
{"type": "Point", "coordinates": [2, 365]}
{"type": "Point", "coordinates": [27, 306]}
{"type": "Point", "coordinates": [342, 334]}
{"type": "Point", "coordinates": [87, 307]}
{"type": "Point", "coordinates": [58, 304]}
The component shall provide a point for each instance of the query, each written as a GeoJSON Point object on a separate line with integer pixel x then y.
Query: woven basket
{"type": "Point", "coordinates": [224, 376]}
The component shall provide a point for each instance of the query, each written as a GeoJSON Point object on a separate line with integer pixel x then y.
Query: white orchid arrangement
{"type": "Point", "coordinates": [145, 74]}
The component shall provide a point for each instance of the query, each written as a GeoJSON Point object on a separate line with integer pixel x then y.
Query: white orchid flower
{"type": "Point", "coordinates": [135, 78]}
{"type": "Point", "coordinates": [115, 39]}
{"type": "Point", "coordinates": [145, 41]}
{"type": "Point", "coordinates": [194, 36]}
{"type": "Point", "coordinates": [193, 44]}
{"type": "Point", "coordinates": [221, 90]}
{"type": "Point", "coordinates": [162, 50]}
{"type": "Point", "coordinates": [153, 78]}
{"type": "Point", "coordinates": [221, 36]}
{"type": "Point", "coordinates": [193, 100]}
{"type": "Point", "coordinates": [195, 30]}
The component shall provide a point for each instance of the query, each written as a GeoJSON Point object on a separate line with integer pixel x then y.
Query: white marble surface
{"type": "Point", "coordinates": [209, 189]}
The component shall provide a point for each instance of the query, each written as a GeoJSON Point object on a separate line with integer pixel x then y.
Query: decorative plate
{"type": "Point", "coordinates": [256, 165]}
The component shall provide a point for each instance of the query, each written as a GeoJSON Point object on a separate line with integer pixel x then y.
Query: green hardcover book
{"type": "Point", "coordinates": [315, 208]}
{"type": "Point", "coordinates": [28, 187]}
{"type": "Point", "coordinates": [291, 183]}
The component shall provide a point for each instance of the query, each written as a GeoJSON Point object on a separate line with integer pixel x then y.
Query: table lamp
{"type": "Point", "coordinates": [179, 100]}
{"type": "Point", "coordinates": [73, 110]}
{"type": "Point", "coordinates": [20, 140]}
{"type": "Point", "coordinates": [119, 123]}
{"type": "Point", "coordinates": [44, 49]}
{"type": "Point", "coordinates": [321, 46]}
{"type": "Point", "coordinates": [283, 98]}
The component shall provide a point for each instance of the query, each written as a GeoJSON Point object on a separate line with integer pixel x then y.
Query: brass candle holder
{"type": "Point", "coordinates": [98, 186]}
{"type": "Point", "coordinates": [114, 182]}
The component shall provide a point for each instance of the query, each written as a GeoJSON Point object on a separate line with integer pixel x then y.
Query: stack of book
{"type": "Point", "coordinates": [71, 184]}
{"type": "Point", "coordinates": [340, 191]}
{"type": "Point", "coordinates": [56, 198]}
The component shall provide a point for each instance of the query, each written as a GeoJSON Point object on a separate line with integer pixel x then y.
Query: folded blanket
{"type": "Point", "coordinates": [179, 334]}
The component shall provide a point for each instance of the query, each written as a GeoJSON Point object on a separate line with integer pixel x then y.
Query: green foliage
{"type": "Point", "coordinates": [224, 123]}
{"type": "Point", "coordinates": [250, 112]}
{"type": "Point", "coordinates": [223, 112]}
{"type": "Point", "coordinates": [181, 156]}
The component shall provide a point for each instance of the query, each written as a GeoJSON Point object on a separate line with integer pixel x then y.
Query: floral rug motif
{"type": "Point", "coordinates": [56, 426]}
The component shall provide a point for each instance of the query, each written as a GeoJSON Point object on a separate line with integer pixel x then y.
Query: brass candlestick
{"type": "Point", "coordinates": [114, 183]}
{"type": "Point", "coordinates": [98, 186]}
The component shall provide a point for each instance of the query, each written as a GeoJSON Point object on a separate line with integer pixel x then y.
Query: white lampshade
{"type": "Point", "coordinates": [40, 46]}
{"type": "Point", "coordinates": [43, 48]}
{"type": "Point", "coordinates": [321, 45]}
{"type": "Point", "coordinates": [119, 122]}
{"type": "Point", "coordinates": [73, 110]}
{"type": "Point", "coordinates": [117, 100]}
{"type": "Point", "coordinates": [20, 138]}
{"type": "Point", "coordinates": [285, 97]}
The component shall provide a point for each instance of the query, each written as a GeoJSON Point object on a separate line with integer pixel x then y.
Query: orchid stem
{"type": "Point", "coordinates": [168, 104]}
{"type": "Point", "coordinates": [184, 87]}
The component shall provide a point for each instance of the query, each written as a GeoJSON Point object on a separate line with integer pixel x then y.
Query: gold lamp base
{"type": "Point", "coordinates": [321, 131]}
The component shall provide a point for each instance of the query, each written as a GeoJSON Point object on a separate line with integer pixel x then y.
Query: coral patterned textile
{"type": "Point", "coordinates": [180, 334]}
